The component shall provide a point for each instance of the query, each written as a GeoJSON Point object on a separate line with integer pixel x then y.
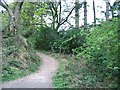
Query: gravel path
{"type": "Point", "coordinates": [41, 79]}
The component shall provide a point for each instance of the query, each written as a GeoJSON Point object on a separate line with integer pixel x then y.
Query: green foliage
{"type": "Point", "coordinates": [43, 38]}
{"type": "Point", "coordinates": [72, 39]}
{"type": "Point", "coordinates": [116, 5]}
{"type": "Point", "coordinates": [98, 64]}
{"type": "Point", "coordinates": [101, 50]}
{"type": "Point", "coordinates": [27, 13]}
{"type": "Point", "coordinates": [4, 28]}
{"type": "Point", "coordinates": [75, 74]}
{"type": "Point", "coordinates": [14, 68]}
{"type": "Point", "coordinates": [62, 41]}
{"type": "Point", "coordinates": [69, 40]}
{"type": "Point", "coordinates": [11, 73]}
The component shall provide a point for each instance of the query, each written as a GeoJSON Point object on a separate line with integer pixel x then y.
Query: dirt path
{"type": "Point", "coordinates": [40, 79]}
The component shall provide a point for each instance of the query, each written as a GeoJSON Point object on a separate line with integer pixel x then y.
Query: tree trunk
{"type": "Point", "coordinates": [94, 13]}
{"type": "Point", "coordinates": [77, 14]}
{"type": "Point", "coordinates": [14, 19]}
{"type": "Point", "coordinates": [13, 28]}
{"type": "Point", "coordinates": [111, 9]}
{"type": "Point", "coordinates": [107, 10]}
{"type": "Point", "coordinates": [13, 15]}
{"type": "Point", "coordinates": [85, 14]}
{"type": "Point", "coordinates": [17, 13]}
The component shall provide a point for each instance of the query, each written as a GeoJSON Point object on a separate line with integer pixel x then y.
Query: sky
{"type": "Point", "coordinates": [99, 5]}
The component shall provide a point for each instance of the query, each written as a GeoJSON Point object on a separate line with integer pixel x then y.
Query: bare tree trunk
{"type": "Point", "coordinates": [94, 13]}
{"type": "Point", "coordinates": [13, 15]}
{"type": "Point", "coordinates": [107, 10]}
{"type": "Point", "coordinates": [77, 14]}
{"type": "Point", "coordinates": [12, 26]}
{"type": "Point", "coordinates": [17, 13]}
{"type": "Point", "coordinates": [111, 9]}
{"type": "Point", "coordinates": [85, 14]}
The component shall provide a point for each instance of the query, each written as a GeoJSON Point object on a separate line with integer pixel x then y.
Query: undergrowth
{"type": "Point", "coordinates": [17, 61]}
{"type": "Point", "coordinates": [75, 74]}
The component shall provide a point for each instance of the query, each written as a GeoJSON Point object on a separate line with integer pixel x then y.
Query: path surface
{"type": "Point", "coordinates": [40, 79]}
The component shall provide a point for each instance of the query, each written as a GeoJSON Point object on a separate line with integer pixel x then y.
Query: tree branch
{"type": "Point", "coordinates": [65, 20]}
{"type": "Point", "coordinates": [4, 6]}
{"type": "Point", "coordinates": [67, 16]}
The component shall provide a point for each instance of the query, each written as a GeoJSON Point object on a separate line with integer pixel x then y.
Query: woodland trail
{"type": "Point", "coordinates": [40, 79]}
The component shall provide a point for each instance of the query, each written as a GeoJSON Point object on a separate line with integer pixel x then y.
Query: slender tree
{"type": "Point", "coordinates": [77, 14]}
{"type": "Point", "coordinates": [94, 13]}
{"type": "Point", "coordinates": [85, 14]}
{"type": "Point", "coordinates": [107, 10]}
{"type": "Point", "coordinates": [111, 9]}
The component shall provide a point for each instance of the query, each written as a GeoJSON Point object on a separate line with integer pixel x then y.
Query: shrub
{"type": "Point", "coordinates": [44, 37]}
{"type": "Point", "coordinates": [101, 50]}
{"type": "Point", "coordinates": [69, 40]}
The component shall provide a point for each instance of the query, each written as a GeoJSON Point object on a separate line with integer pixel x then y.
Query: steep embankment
{"type": "Point", "coordinates": [41, 79]}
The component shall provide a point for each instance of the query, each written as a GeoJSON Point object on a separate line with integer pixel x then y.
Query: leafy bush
{"type": "Point", "coordinates": [43, 38]}
{"type": "Point", "coordinates": [69, 40]}
{"type": "Point", "coordinates": [75, 74]}
{"type": "Point", "coordinates": [98, 64]}
{"type": "Point", "coordinates": [101, 51]}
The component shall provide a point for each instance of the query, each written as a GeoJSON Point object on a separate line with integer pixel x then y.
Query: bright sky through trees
{"type": "Point", "coordinates": [99, 5]}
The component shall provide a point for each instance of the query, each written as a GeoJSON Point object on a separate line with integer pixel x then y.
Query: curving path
{"type": "Point", "coordinates": [41, 79]}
